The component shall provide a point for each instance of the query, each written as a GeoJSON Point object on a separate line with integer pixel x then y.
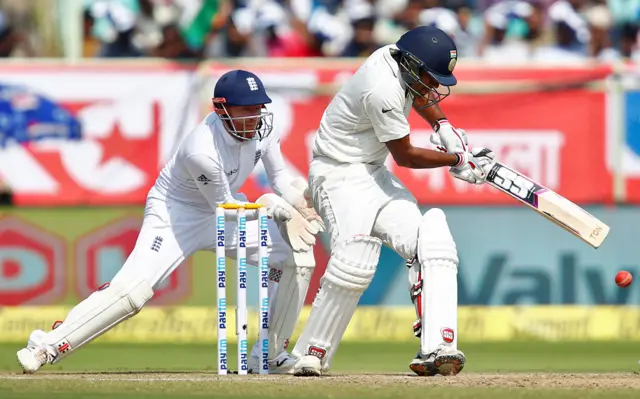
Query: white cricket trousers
{"type": "Point", "coordinates": [364, 199]}
{"type": "Point", "coordinates": [173, 231]}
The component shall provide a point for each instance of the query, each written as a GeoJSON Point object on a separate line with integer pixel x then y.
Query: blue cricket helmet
{"type": "Point", "coordinates": [242, 88]}
{"type": "Point", "coordinates": [430, 50]}
{"type": "Point", "coordinates": [434, 50]}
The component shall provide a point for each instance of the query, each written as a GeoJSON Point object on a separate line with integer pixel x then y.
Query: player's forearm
{"type": "Point", "coordinates": [422, 158]}
{"type": "Point", "coordinates": [280, 177]}
{"type": "Point", "coordinates": [430, 114]}
{"type": "Point", "coordinates": [281, 183]}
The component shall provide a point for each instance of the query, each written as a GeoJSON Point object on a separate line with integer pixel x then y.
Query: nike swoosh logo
{"type": "Point", "coordinates": [384, 111]}
{"type": "Point", "coordinates": [281, 362]}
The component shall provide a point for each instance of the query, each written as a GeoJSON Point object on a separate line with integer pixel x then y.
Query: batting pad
{"type": "Point", "coordinates": [438, 259]}
{"type": "Point", "coordinates": [97, 314]}
{"type": "Point", "coordinates": [349, 272]}
{"type": "Point", "coordinates": [286, 306]}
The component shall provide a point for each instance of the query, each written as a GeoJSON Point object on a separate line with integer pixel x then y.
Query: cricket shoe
{"type": "Point", "coordinates": [36, 354]}
{"type": "Point", "coordinates": [444, 361]}
{"type": "Point", "coordinates": [307, 366]}
{"type": "Point", "coordinates": [282, 364]}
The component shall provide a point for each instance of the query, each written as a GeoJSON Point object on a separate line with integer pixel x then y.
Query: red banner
{"type": "Point", "coordinates": [132, 118]}
{"type": "Point", "coordinates": [556, 138]}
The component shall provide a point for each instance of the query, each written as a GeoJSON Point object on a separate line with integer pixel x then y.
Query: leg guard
{"type": "Point", "coordinates": [349, 273]}
{"type": "Point", "coordinates": [438, 302]}
{"type": "Point", "coordinates": [94, 316]}
{"type": "Point", "coordinates": [287, 297]}
{"type": "Point", "coordinates": [287, 291]}
{"type": "Point", "coordinates": [288, 286]}
{"type": "Point", "coordinates": [415, 292]}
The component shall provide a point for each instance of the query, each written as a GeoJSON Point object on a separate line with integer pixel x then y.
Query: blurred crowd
{"type": "Point", "coordinates": [499, 31]}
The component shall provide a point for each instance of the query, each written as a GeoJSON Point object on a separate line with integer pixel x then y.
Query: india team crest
{"type": "Point", "coordinates": [454, 59]}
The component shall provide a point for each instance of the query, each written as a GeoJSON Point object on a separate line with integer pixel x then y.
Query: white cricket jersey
{"type": "Point", "coordinates": [369, 110]}
{"type": "Point", "coordinates": [210, 166]}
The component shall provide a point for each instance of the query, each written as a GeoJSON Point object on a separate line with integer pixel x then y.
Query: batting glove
{"type": "Point", "coordinates": [474, 164]}
{"type": "Point", "coordinates": [453, 140]}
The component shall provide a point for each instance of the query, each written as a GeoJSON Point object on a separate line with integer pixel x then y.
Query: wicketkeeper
{"type": "Point", "coordinates": [208, 169]}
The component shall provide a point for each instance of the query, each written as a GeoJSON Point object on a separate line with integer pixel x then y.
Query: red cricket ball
{"type": "Point", "coordinates": [624, 279]}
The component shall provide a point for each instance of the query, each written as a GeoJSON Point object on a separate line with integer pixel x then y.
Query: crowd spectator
{"type": "Point", "coordinates": [17, 36]}
{"type": "Point", "coordinates": [6, 196]}
{"type": "Point", "coordinates": [499, 31]}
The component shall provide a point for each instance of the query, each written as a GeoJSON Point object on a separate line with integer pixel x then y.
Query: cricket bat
{"type": "Point", "coordinates": [549, 204]}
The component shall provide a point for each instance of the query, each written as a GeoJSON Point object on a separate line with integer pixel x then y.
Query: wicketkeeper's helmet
{"type": "Point", "coordinates": [242, 88]}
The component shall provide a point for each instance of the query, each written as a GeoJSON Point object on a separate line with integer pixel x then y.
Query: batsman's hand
{"type": "Point", "coordinates": [451, 139]}
{"type": "Point", "coordinates": [475, 166]}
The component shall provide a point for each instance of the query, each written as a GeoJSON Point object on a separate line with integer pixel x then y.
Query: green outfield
{"type": "Point", "coordinates": [494, 370]}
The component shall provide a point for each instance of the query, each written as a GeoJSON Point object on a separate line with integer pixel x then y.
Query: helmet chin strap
{"type": "Point", "coordinates": [262, 129]}
{"type": "Point", "coordinates": [430, 100]}
{"type": "Point", "coordinates": [226, 119]}
{"type": "Point", "coordinates": [410, 74]}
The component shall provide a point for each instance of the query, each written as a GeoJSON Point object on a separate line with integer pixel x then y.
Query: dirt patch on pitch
{"type": "Point", "coordinates": [507, 380]}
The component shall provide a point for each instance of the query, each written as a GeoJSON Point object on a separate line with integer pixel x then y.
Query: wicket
{"type": "Point", "coordinates": [241, 292]}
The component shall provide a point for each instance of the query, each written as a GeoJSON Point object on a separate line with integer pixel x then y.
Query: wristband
{"type": "Point", "coordinates": [460, 160]}
{"type": "Point", "coordinates": [436, 124]}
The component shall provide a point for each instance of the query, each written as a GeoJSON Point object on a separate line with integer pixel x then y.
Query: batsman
{"type": "Point", "coordinates": [364, 205]}
{"type": "Point", "coordinates": [209, 167]}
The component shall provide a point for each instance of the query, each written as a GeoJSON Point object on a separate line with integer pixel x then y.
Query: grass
{"type": "Point", "coordinates": [358, 357]}
{"type": "Point", "coordinates": [125, 365]}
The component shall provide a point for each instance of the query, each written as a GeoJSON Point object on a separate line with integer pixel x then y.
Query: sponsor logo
{"type": "Point", "coordinates": [243, 355]}
{"type": "Point", "coordinates": [222, 313]}
{"type": "Point", "coordinates": [203, 179]}
{"type": "Point", "coordinates": [220, 231]}
{"type": "Point", "coordinates": [63, 347]}
{"type": "Point", "coordinates": [157, 242]}
{"type": "Point", "coordinates": [264, 272]}
{"type": "Point", "coordinates": [275, 274]}
{"type": "Point", "coordinates": [265, 354]}
{"type": "Point", "coordinates": [222, 350]}
{"type": "Point", "coordinates": [222, 274]}
{"type": "Point", "coordinates": [317, 352]}
{"type": "Point", "coordinates": [447, 335]}
{"type": "Point", "coordinates": [264, 313]}
{"type": "Point", "coordinates": [264, 231]}
{"type": "Point", "coordinates": [243, 273]}
{"type": "Point", "coordinates": [242, 232]}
